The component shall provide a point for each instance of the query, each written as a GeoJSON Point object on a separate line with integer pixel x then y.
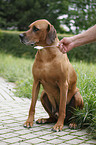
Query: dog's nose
{"type": "Point", "coordinates": [21, 36]}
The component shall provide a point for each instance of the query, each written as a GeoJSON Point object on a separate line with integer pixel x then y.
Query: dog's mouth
{"type": "Point", "coordinates": [25, 40]}
{"type": "Point", "coordinates": [28, 43]}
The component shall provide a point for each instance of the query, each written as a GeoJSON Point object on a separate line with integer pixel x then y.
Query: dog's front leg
{"type": "Point", "coordinates": [62, 106]}
{"type": "Point", "coordinates": [35, 91]}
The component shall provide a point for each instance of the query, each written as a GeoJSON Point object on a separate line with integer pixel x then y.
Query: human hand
{"type": "Point", "coordinates": [66, 44]}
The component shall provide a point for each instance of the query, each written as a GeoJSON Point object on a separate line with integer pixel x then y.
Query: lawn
{"type": "Point", "coordinates": [18, 70]}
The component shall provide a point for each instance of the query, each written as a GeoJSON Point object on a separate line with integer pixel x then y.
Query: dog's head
{"type": "Point", "coordinates": [40, 32]}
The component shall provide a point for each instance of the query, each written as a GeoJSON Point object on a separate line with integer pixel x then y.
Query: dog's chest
{"type": "Point", "coordinates": [46, 71]}
{"type": "Point", "coordinates": [48, 77]}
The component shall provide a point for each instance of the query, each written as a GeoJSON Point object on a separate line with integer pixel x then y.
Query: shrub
{"type": "Point", "coordinates": [10, 43]}
{"type": "Point", "coordinates": [84, 53]}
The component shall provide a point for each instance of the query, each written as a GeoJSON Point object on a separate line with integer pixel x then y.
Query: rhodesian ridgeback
{"type": "Point", "coordinates": [53, 70]}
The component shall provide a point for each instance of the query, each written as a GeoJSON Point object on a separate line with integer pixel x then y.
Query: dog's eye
{"type": "Point", "coordinates": [35, 29]}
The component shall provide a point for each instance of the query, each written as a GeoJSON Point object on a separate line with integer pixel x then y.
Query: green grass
{"type": "Point", "coordinates": [18, 70]}
{"type": "Point", "coordinates": [15, 69]}
{"type": "Point", "coordinates": [86, 82]}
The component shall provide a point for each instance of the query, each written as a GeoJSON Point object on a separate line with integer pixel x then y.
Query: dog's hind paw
{"type": "Point", "coordinates": [73, 126]}
{"type": "Point", "coordinates": [45, 120]}
{"type": "Point", "coordinates": [41, 121]}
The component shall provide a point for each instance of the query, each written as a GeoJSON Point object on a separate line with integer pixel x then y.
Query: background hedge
{"type": "Point", "coordinates": [10, 43]}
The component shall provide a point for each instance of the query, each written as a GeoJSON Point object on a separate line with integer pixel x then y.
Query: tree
{"type": "Point", "coordinates": [21, 13]}
{"type": "Point", "coordinates": [81, 14]}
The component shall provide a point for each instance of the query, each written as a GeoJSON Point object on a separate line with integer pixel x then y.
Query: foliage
{"type": "Point", "coordinates": [19, 70]}
{"type": "Point", "coordinates": [83, 53]}
{"type": "Point", "coordinates": [10, 43]}
{"type": "Point", "coordinates": [21, 13]}
{"type": "Point", "coordinates": [81, 14]}
{"type": "Point", "coordinates": [87, 84]}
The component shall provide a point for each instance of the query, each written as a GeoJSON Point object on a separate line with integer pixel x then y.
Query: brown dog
{"type": "Point", "coordinates": [53, 70]}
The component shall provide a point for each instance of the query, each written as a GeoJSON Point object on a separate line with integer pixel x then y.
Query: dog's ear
{"type": "Point", "coordinates": [51, 34]}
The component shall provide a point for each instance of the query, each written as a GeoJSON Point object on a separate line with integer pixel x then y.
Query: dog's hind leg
{"type": "Point", "coordinates": [76, 102]}
{"type": "Point", "coordinates": [49, 109]}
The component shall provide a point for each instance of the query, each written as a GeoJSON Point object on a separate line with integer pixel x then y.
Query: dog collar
{"type": "Point", "coordinates": [41, 47]}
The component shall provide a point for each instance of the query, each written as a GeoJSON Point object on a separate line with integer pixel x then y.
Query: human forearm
{"type": "Point", "coordinates": [85, 37]}
{"type": "Point", "coordinates": [68, 43]}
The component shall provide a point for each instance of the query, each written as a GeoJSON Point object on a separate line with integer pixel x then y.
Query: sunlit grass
{"type": "Point", "coordinates": [8, 31]}
{"type": "Point", "coordinates": [15, 69]}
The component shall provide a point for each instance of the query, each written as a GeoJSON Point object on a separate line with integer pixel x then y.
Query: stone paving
{"type": "Point", "coordinates": [13, 113]}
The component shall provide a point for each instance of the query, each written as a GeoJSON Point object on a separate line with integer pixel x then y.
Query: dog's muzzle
{"type": "Point", "coordinates": [25, 40]}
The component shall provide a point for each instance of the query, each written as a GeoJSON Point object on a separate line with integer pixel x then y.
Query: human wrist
{"type": "Point", "coordinates": [77, 40]}
{"type": "Point", "coordinates": [74, 40]}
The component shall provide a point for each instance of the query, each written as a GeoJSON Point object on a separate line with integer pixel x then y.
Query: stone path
{"type": "Point", "coordinates": [13, 113]}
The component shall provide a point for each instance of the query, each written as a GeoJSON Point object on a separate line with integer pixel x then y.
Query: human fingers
{"type": "Point", "coordinates": [60, 42]}
{"type": "Point", "coordinates": [63, 48]}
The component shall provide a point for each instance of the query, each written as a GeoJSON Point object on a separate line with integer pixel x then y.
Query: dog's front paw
{"type": "Point", "coordinates": [28, 123]}
{"type": "Point", "coordinates": [57, 127]}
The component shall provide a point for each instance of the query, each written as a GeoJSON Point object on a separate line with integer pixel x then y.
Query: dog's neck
{"type": "Point", "coordinates": [48, 53]}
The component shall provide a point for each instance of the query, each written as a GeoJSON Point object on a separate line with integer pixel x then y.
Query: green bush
{"type": "Point", "coordinates": [85, 53]}
{"type": "Point", "coordinates": [10, 43]}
